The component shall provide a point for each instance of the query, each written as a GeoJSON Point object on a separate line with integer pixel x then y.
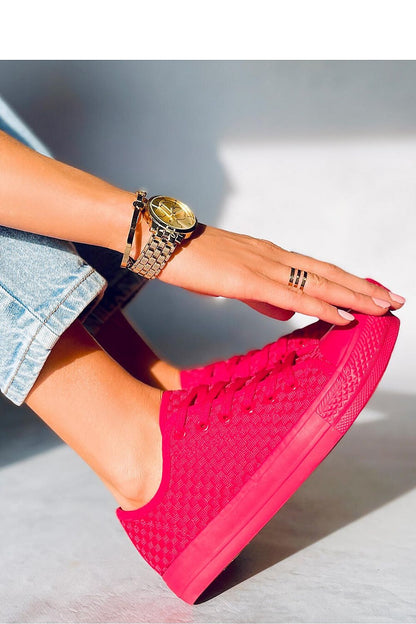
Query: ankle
{"type": "Point", "coordinates": [136, 480]}
{"type": "Point", "coordinates": [130, 504]}
{"type": "Point", "coordinates": [137, 493]}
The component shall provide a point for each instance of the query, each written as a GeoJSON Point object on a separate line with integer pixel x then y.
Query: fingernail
{"type": "Point", "coordinates": [346, 315]}
{"type": "Point", "coordinates": [380, 302]}
{"type": "Point", "coordinates": [397, 298]}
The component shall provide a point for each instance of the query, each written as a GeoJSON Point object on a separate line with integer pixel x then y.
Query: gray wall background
{"type": "Point", "coordinates": [160, 124]}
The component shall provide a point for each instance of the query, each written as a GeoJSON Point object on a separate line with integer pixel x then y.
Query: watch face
{"type": "Point", "coordinates": [172, 212]}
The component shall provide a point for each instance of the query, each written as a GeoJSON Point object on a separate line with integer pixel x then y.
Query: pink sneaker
{"type": "Point", "coordinates": [250, 363]}
{"type": "Point", "coordinates": [234, 453]}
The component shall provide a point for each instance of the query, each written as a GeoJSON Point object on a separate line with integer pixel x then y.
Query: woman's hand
{"type": "Point", "coordinates": [221, 263]}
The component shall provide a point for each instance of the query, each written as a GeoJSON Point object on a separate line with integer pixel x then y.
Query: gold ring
{"type": "Point", "coordinates": [301, 276]}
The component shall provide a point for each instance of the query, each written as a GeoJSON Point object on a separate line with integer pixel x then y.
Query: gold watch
{"type": "Point", "coordinates": [171, 222]}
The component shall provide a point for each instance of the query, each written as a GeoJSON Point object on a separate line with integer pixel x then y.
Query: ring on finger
{"type": "Point", "coordinates": [297, 278]}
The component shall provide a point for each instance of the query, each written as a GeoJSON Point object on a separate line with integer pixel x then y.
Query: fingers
{"type": "Point", "coordinates": [336, 275]}
{"type": "Point", "coordinates": [278, 295]}
{"type": "Point", "coordinates": [341, 296]}
{"type": "Point", "coordinates": [325, 290]}
{"type": "Point", "coordinates": [325, 272]}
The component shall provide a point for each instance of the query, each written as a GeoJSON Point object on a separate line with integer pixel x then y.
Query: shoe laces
{"type": "Point", "coordinates": [224, 390]}
{"type": "Point", "coordinates": [271, 355]}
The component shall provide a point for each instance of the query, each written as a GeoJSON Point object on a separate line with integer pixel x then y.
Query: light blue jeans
{"type": "Point", "coordinates": [45, 284]}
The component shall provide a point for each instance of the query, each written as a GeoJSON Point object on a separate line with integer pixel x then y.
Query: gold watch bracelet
{"type": "Point", "coordinates": [139, 206]}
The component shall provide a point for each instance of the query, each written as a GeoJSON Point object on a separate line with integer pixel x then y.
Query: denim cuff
{"type": "Point", "coordinates": [30, 339]}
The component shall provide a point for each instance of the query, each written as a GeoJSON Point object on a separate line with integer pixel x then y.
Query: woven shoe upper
{"type": "Point", "coordinates": [214, 439]}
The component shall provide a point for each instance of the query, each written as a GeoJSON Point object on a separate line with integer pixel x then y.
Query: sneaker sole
{"type": "Point", "coordinates": [303, 449]}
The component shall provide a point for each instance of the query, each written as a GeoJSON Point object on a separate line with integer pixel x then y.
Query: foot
{"type": "Point", "coordinates": [233, 453]}
{"type": "Point", "coordinates": [137, 480]}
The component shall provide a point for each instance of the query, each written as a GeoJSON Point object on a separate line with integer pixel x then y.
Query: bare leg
{"type": "Point", "coordinates": [106, 415]}
{"type": "Point", "coordinates": [121, 340]}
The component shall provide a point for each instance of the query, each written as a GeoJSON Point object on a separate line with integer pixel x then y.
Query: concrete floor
{"type": "Point", "coordinates": [341, 550]}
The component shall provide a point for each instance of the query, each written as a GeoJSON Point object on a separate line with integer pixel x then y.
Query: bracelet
{"type": "Point", "coordinates": [139, 205]}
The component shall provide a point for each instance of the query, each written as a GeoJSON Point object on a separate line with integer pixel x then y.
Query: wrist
{"type": "Point", "coordinates": [172, 221]}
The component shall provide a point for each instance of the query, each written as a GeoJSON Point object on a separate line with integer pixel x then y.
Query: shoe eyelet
{"type": "Point", "coordinates": [271, 399]}
{"type": "Point", "coordinates": [179, 434]}
{"type": "Point", "coordinates": [248, 409]}
{"type": "Point", "coordinates": [225, 418]}
{"type": "Point", "coordinates": [202, 426]}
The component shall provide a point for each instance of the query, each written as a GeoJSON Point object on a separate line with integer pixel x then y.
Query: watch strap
{"type": "Point", "coordinates": [155, 253]}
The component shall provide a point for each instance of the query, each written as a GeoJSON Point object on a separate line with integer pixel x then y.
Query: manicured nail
{"type": "Point", "coordinates": [397, 298]}
{"type": "Point", "coordinates": [346, 315]}
{"type": "Point", "coordinates": [380, 302]}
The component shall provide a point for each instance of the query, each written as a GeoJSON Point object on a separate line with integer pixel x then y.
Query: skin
{"type": "Point", "coordinates": [112, 418]}
{"type": "Point", "coordinates": [213, 261]}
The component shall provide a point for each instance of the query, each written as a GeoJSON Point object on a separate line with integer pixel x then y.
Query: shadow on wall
{"type": "Point", "coordinates": [158, 124]}
{"type": "Point", "coordinates": [191, 330]}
